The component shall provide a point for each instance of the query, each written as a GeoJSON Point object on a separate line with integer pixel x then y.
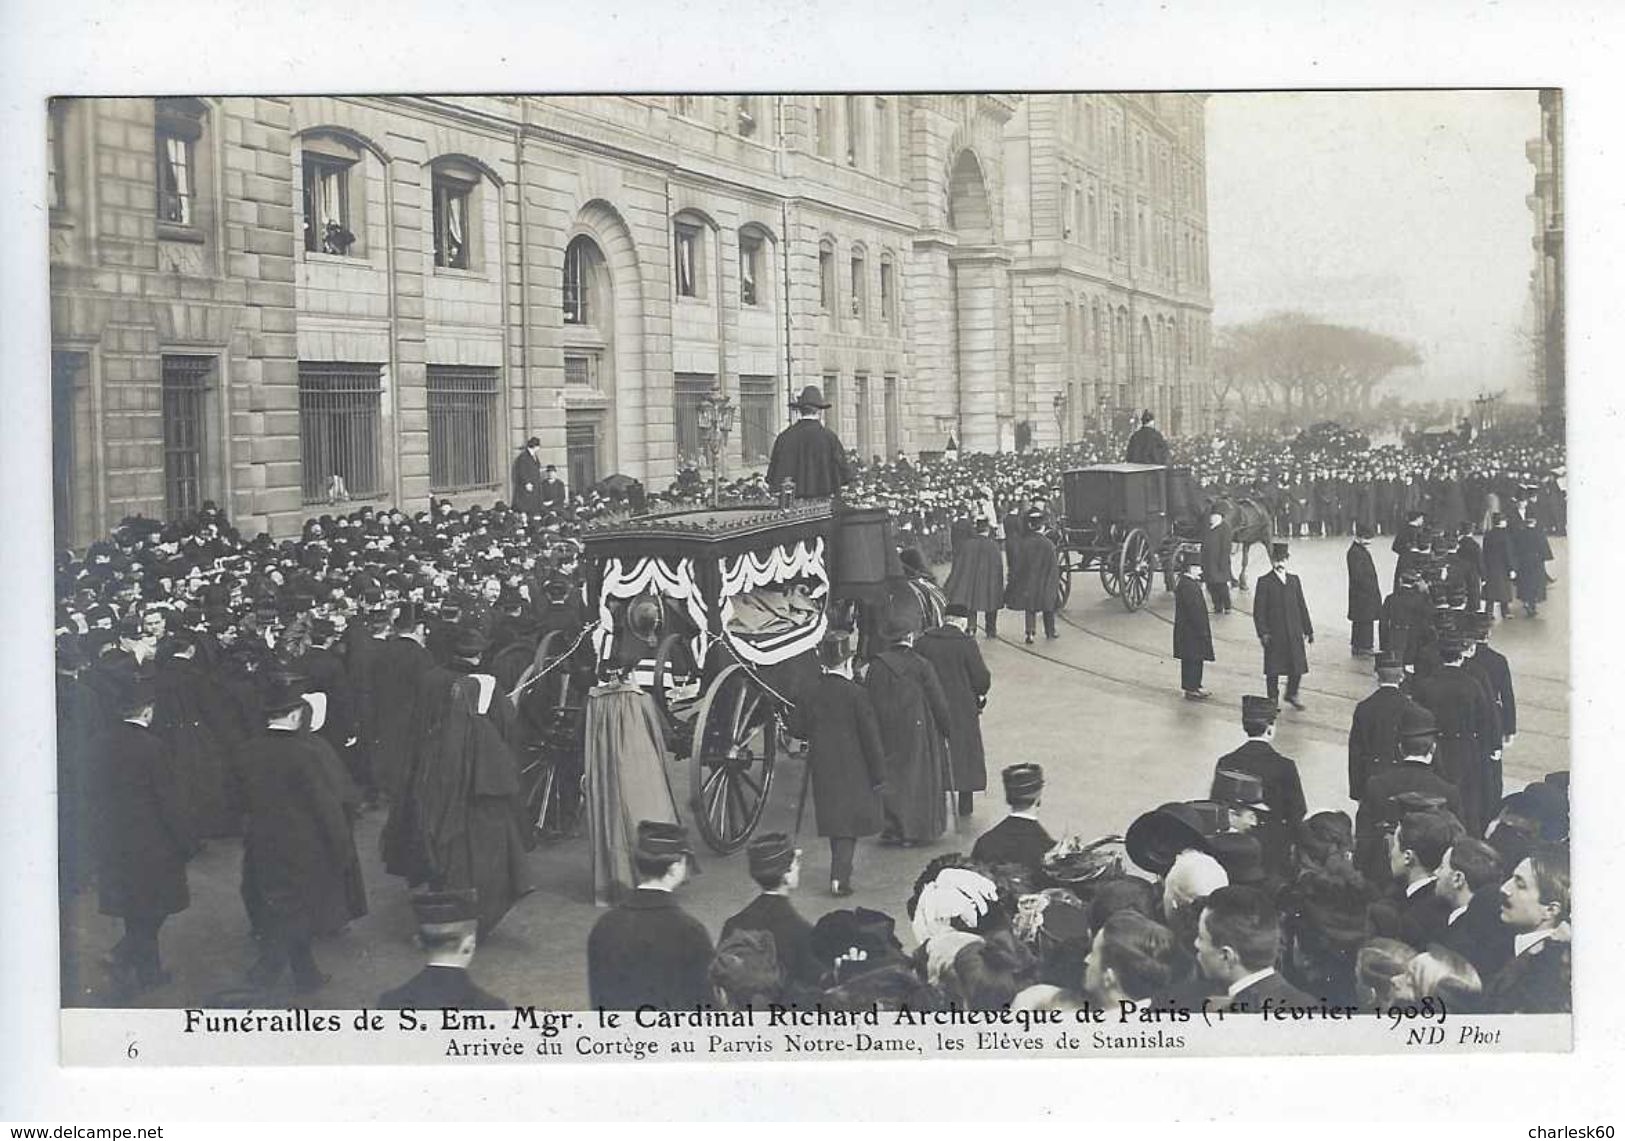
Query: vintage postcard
{"type": "Point", "coordinates": [828, 576]}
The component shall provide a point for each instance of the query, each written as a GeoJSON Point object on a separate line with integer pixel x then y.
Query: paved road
{"type": "Point", "coordinates": [1100, 708]}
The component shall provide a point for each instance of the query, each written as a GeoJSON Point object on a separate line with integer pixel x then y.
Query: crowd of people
{"type": "Point", "coordinates": [212, 684]}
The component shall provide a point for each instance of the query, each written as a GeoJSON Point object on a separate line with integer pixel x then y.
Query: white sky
{"type": "Point", "coordinates": [1397, 211]}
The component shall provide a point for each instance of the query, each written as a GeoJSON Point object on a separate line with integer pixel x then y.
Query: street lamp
{"type": "Point", "coordinates": [1060, 403]}
{"type": "Point", "coordinates": [716, 415]}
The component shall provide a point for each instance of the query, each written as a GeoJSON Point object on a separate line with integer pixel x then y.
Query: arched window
{"type": "Point", "coordinates": [581, 264]}
{"type": "Point", "coordinates": [826, 276]}
{"type": "Point", "coordinates": [334, 194]}
{"type": "Point", "coordinates": [456, 214]}
{"type": "Point", "coordinates": [177, 129]}
{"type": "Point", "coordinates": [755, 274]}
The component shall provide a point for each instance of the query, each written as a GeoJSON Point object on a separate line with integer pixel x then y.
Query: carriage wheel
{"type": "Point", "coordinates": [1109, 580]}
{"type": "Point", "coordinates": [1134, 569]}
{"type": "Point", "coordinates": [554, 689]}
{"type": "Point", "coordinates": [670, 667]}
{"type": "Point", "coordinates": [731, 760]}
{"type": "Point", "coordinates": [1065, 592]}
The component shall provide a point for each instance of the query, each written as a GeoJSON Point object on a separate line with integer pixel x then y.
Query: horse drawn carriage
{"type": "Point", "coordinates": [1127, 522]}
{"type": "Point", "coordinates": [717, 613]}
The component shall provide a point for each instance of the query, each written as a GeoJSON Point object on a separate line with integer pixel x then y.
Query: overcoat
{"type": "Point", "coordinates": [965, 678]}
{"type": "Point", "coordinates": [913, 715]}
{"type": "Point", "coordinates": [187, 708]}
{"type": "Point", "coordinates": [297, 845]}
{"type": "Point", "coordinates": [1374, 735]}
{"type": "Point", "coordinates": [1378, 806]}
{"type": "Point", "coordinates": [397, 671]}
{"type": "Point", "coordinates": [1468, 733]}
{"type": "Point", "coordinates": [1283, 793]}
{"type": "Point", "coordinates": [1365, 591]}
{"type": "Point", "coordinates": [1216, 554]}
{"type": "Point", "coordinates": [1492, 665]}
{"type": "Point", "coordinates": [811, 456]}
{"type": "Point", "coordinates": [1498, 565]}
{"type": "Point", "coordinates": [142, 831]}
{"type": "Point", "coordinates": [1146, 446]}
{"type": "Point", "coordinates": [792, 935]}
{"type": "Point", "coordinates": [440, 988]}
{"type": "Point", "coordinates": [527, 483]}
{"type": "Point", "coordinates": [1014, 840]}
{"type": "Point", "coordinates": [1531, 550]}
{"type": "Point", "coordinates": [976, 580]}
{"type": "Point", "coordinates": [845, 752]}
{"type": "Point", "coordinates": [1193, 634]}
{"type": "Point", "coordinates": [1035, 574]}
{"type": "Point", "coordinates": [649, 952]}
{"type": "Point", "coordinates": [1281, 615]}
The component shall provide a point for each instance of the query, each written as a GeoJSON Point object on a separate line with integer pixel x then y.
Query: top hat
{"type": "Point", "coordinates": [1238, 788]}
{"type": "Point", "coordinates": [133, 688]}
{"type": "Point", "coordinates": [1255, 708]}
{"type": "Point", "coordinates": [441, 909]}
{"type": "Point", "coordinates": [1388, 662]}
{"type": "Point", "coordinates": [1279, 551]}
{"type": "Point", "coordinates": [895, 629]}
{"type": "Point", "coordinates": [281, 695]}
{"type": "Point", "coordinates": [1362, 531]}
{"type": "Point", "coordinates": [1023, 781]}
{"type": "Point", "coordinates": [470, 645]}
{"type": "Point", "coordinates": [659, 840]}
{"type": "Point", "coordinates": [1157, 837]}
{"type": "Point", "coordinates": [811, 397]}
{"type": "Point", "coordinates": [534, 442]}
{"type": "Point", "coordinates": [1240, 855]}
{"type": "Point", "coordinates": [770, 854]}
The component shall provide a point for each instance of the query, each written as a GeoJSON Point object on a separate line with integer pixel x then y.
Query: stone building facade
{"type": "Point", "coordinates": [279, 303]}
{"type": "Point", "coordinates": [1545, 154]}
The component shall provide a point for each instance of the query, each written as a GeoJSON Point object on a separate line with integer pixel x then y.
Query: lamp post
{"type": "Point", "coordinates": [716, 415]}
{"type": "Point", "coordinates": [1060, 403]}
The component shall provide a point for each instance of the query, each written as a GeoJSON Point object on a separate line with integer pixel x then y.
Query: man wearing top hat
{"type": "Point", "coordinates": [553, 493]}
{"type": "Point", "coordinates": [1499, 562]}
{"type": "Point", "coordinates": [952, 651]}
{"type": "Point", "coordinates": [846, 759]}
{"type": "Point", "coordinates": [142, 833]}
{"type": "Point", "coordinates": [647, 951]}
{"type": "Point", "coordinates": [912, 712]}
{"type": "Point", "coordinates": [1019, 838]}
{"type": "Point", "coordinates": [397, 671]}
{"type": "Point", "coordinates": [1281, 619]}
{"type": "Point", "coordinates": [1193, 636]}
{"type": "Point", "coordinates": [1282, 788]}
{"type": "Point", "coordinates": [775, 865]}
{"type": "Point", "coordinates": [1413, 775]}
{"type": "Point", "coordinates": [1374, 731]}
{"type": "Point", "coordinates": [448, 933]}
{"type": "Point", "coordinates": [1365, 592]}
{"type": "Point", "coordinates": [527, 478]}
{"type": "Point", "coordinates": [808, 454]}
{"type": "Point", "coordinates": [1146, 445]}
{"type": "Point", "coordinates": [1469, 733]}
{"type": "Point", "coordinates": [1490, 666]}
{"type": "Point", "coordinates": [1034, 585]}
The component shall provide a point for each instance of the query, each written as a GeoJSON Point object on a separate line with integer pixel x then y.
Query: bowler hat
{"type": "Point", "coordinates": [770, 854]}
{"type": "Point", "coordinates": [1157, 837]}
{"type": "Point", "coordinates": [1417, 721]}
{"type": "Point", "coordinates": [1023, 781]}
{"type": "Point", "coordinates": [811, 397]}
{"type": "Point", "coordinates": [439, 909]}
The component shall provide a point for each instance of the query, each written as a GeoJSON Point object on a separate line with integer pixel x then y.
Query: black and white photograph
{"type": "Point", "coordinates": [872, 573]}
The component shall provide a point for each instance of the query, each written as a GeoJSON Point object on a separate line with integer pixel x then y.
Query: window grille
{"type": "Point", "coordinates": [339, 430]}
{"type": "Point", "coordinates": [690, 390]}
{"type": "Point", "coordinates": [759, 419]}
{"type": "Point", "coordinates": [185, 383]}
{"type": "Point", "coordinates": [462, 427]}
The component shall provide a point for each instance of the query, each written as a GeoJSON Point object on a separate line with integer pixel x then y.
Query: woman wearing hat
{"type": "Point", "coordinates": [807, 454]}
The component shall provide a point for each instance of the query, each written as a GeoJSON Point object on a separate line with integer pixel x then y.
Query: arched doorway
{"type": "Point", "coordinates": [976, 269]}
{"type": "Point", "coordinates": [604, 399]}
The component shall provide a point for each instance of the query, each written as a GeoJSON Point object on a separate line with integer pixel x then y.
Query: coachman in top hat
{"type": "Point", "coordinates": [807, 454]}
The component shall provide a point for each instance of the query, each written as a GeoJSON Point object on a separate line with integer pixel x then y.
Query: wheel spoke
{"type": "Point", "coordinates": [744, 775]}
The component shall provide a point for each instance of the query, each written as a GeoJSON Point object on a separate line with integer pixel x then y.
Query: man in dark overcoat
{"type": "Point", "coordinates": [1469, 734]}
{"type": "Point", "coordinates": [527, 478]}
{"type": "Point", "coordinates": [1146, 445]}
{"type": "Point", "coordinates": [1035, 576]}
{"type": "Point", "coordinates": [297, 846]}
{"type": "Point", "coordinates": [775, 865]}
{"type": "Point", "coordinates": [807, 454]}
{"type": "Point", "coordinates": [1499, 562]}
{"type": "Point", "coordinates": [976, 580]}
{"type": "Point", "coordinates": [1374, 731]}
{"type": "Point", "coordinates": [1217, 571]}
{"type": "Point", "coordinates": [1193, 636]}
{"type": "Point", "coordinates": [1492, 668]}
{"type": "Point", "coordinates": [649, 952]}
{"type": "Point", "coordinates": [1365, 593]}
{"type": "Point", "coordinates": [554, 494]}
{"type": "Point", "coordinates": [912, 712]}
{"type": "Point", "coordinates": [1407, 619]}
{"type": "Point", "coordinates": [1408, 540]}
{"type": "Point", "coordinates": [448, 933]}
{"type": "Point", "coordinates": [1019, 838]}
{"type": "Point", "coordinates": [397, 673]}
{"type": "Point", "coordinates": [1531, 552]}
{"type": "Point", "coordinates": [142, 833]}
{"type": "Point", "coordinates": [1278, 774]}
{"type": "Point", "coordinates": [845, 757]}
{"type": "Point", "coordinates": [1281, 619]}
{"type": "Point", "coordinates": [1389, 787]}
{"type": "Point", "coordinates": [951, 649]}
